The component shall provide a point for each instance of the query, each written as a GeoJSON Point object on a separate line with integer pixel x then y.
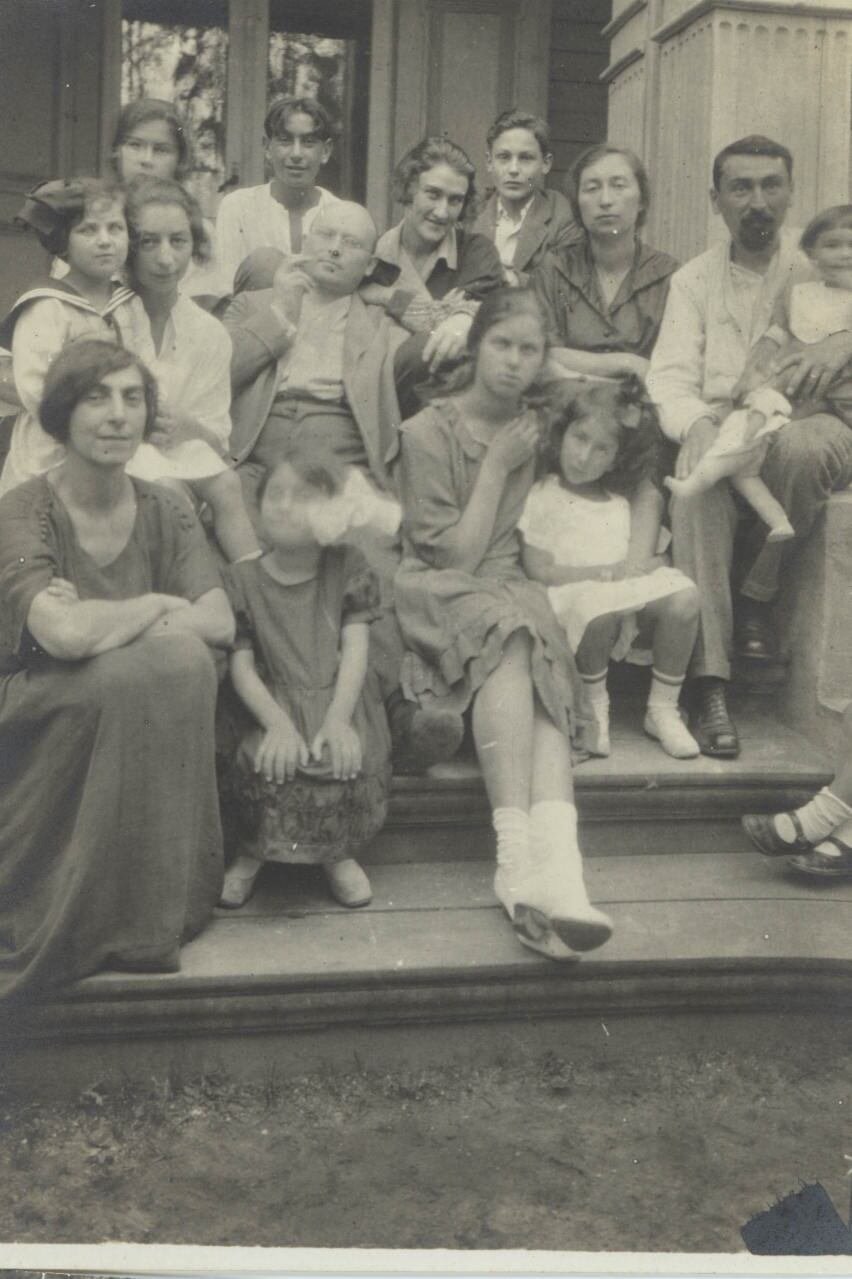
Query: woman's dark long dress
{"type": "Point", "coordinates": [110, 840]}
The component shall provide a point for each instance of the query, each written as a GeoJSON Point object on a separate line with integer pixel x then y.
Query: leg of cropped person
{"type": "Point", "coordinates": [817, 836]}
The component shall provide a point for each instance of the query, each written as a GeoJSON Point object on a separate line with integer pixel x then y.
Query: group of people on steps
{"type": "Point", "coordinates": [289, 504]}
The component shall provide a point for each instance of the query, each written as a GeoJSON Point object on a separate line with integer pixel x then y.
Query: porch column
{"type": "Point", "coordinates": [685, 78]}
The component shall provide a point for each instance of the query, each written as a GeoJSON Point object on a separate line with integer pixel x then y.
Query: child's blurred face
{"type": "Point", "coordinates": [163, 248]}
{"type": "Point", "coordinates": [97, 244]}
{"type": "Point", "coordinates": [832, 256]}
{"type": "Point", "coordinates": [518, 165]}
{"type": "Point", "coordinates": [510, 356]}
{"type": "Point", "coordinates": [149, 150]}
{"type": "Point", "coordinates": [285, 509]}
{"type": "Point", "coordinates": [589, 449]}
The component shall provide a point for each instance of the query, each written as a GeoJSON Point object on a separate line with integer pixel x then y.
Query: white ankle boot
{"type": "Point", "coordinates": [513, 869]}
{"type": "Point", "coordinates": [554, 887]}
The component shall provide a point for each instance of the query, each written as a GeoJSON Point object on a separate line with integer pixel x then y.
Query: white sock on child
{"type": "Point", "coordinates": [843, 833]}
{"type": "Point", "coordinates": [663, 720]}
{"type": "Point", "coordinates": [512, 827]}
{"type": "Point", "coordinates": [818, 818]}
{"type": "Point", "coordinates": [598, 695]}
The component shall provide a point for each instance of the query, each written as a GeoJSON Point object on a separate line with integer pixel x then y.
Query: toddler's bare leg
{"type": "Point", "coordinates": [234, 532]}
{"type": "Point", "coordinates": [704, 475]}
{"type": "Point", "coordinates": [770, 510]}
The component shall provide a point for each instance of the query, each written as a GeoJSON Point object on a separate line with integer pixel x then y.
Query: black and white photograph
{"type": "Point", "coordinates": [425, 635]}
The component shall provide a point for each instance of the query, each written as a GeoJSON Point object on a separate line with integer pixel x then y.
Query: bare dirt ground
{"type": "Point", "coordinates": [668, 1153]}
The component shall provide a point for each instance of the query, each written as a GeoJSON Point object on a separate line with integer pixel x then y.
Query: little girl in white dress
{"type": "Point", "coordinates": [591, 531]}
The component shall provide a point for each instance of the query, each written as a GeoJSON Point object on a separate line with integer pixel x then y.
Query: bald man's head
{"type": "Point", "coordinates": [340, 243]}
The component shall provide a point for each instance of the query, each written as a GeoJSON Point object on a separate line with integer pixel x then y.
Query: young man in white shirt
{"type": "Point", "coordinates": [297, 140]}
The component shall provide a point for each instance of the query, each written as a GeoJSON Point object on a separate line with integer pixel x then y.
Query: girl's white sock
{"type": "Point", "coordinates": [553, 825]}
{"type": "Point", "coordinates": [843, 832]}
{"type": "Point", "coordinates": [818, 818]}
{"type": "Point", "coordinates": [512, 827]}
{"type": "Point", "coordinates": [598, 695]}
{"type": "Point", "coordinates": [665, 689]}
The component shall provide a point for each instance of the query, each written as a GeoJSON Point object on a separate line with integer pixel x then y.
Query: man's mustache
{"type": "Point", "coordinates": [757, 218]}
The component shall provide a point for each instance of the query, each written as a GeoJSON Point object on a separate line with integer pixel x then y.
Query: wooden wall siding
{"type": "Point", "coordinates": [626, 108]}
{"type": "Point", "coordinates": [678, 165]}
{"type": "Point", "coordinates": [50, 104]}
{"type": "Point", "coordinates": [700, 74]}
{"type": "Point", "coordinates": [459, 63]}
{"type": "Point", "coordinates": [577, 101]}
{"type": "Point", "coordinates": [810, 58]}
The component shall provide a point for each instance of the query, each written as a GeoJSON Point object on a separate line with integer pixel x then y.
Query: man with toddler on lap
{"type": "Point", "coordinates": [720, 304]}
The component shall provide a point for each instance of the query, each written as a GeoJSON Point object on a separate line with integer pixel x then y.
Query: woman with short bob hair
{"type": "Point", "coordinates": [84, 365]}
{"type": "Point", "coordinates": [110, 842]}
{"type": "Point", "coordinates": [433, 272]}
{"type": "Point", "coordinates": [604, 296]}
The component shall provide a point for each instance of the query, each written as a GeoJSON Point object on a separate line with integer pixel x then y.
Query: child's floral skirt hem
{"type": "Point", "coordinates": [303, 821]}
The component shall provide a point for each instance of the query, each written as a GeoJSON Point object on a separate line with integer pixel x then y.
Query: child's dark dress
{"type": "Point", "coordinates": [294, 632]}
{"type": "Point", "coordinates": [456, 623]}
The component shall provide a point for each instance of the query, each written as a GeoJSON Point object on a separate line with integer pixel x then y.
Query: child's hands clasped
{"type": "Point", "coordinates": [280, 752]}
{"type": "Point", "coordinates": [513, 444]}
{"type": "Point", "coordinates": [344, 747]}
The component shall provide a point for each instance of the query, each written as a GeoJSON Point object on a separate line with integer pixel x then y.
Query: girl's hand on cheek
{"type": "Point", "coordinates": [280, 753]}
{"type": "Point", "coordinates": [513, 445]}
{"type": "Point", "coordinates": [344, 747]}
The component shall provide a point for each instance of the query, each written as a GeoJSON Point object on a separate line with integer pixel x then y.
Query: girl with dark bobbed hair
{"type": "Point", "coordinates": [482, 636]}
{"type": "Point", "coordinates": [110, 842]}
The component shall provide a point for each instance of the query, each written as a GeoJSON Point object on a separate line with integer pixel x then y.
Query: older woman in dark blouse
{"type": "Point", "coordinates": [110, 843]}
{"type": "Point", "coordinates": [604, 296]}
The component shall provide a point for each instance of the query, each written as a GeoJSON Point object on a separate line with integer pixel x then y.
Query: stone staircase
{"type": "Point", "coordinates": [703, 926]}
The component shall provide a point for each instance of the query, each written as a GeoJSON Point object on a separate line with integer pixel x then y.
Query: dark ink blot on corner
{"type": "Point", "coordinates": [803, 1224]}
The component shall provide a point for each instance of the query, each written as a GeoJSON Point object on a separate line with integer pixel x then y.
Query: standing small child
{"type": "Point", "coordinates": [606, 581]}
{"type": "Point", "coordinates": [523, 218]}
{"type": "Point", "coordinates": [482, 635]}
{"type": "Point", "coordinates": [807, 312]}
{"type": "Point", "coordinates": [82, 221]}
{"type": "Point", "coordinates": [309, 774]}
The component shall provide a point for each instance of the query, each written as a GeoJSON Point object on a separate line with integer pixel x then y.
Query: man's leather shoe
{"type": "Point", "coordinates": [755, 636]}
{"type": "Point", "coordinates": [712, 726]}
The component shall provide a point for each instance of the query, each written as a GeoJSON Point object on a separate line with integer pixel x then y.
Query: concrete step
{"type": "Point", "coordinates": [293, 981]}
{"type": "Point", "coordinates": [703, 927]}
{"type": "Point", "coordinates": [639, 800]}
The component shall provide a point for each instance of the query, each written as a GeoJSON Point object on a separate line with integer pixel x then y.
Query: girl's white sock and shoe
{"type": "Point", "coordinates": [663, 720]}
